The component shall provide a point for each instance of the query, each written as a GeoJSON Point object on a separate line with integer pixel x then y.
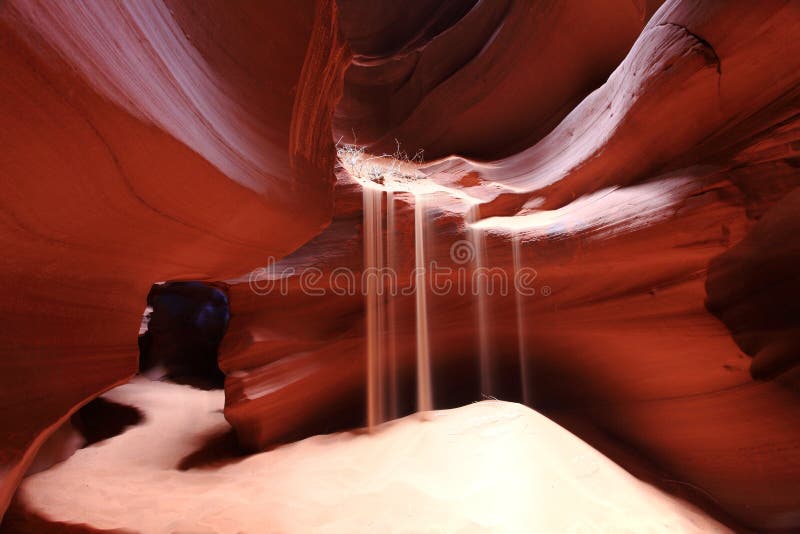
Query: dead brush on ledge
{"type": "Point", "coordinates": [395, 167]}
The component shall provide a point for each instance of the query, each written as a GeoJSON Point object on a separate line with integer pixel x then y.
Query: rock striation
{"type": "Point", "coordinates": [641, 157]}
{"type": "Point", "coordinates": [144, 142]}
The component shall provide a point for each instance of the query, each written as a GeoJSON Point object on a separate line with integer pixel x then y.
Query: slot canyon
{"type": "Point", "coordinates": [400, 266]}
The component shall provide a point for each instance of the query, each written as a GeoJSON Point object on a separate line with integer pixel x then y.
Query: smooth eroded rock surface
{"type": "Point", "coordinates": [143, 142]}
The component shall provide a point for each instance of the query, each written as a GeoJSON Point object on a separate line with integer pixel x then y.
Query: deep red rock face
{"type": "Point", "coordinates": [643, 155]}
{"type": "Point", "coordinates": [638, 211]}
{"type": "Point", "coordinates": [483, 83]}
{"type": "Point", "coordinates": [143, 142]}
{"type": "Point", "coordinates": [753, 289]}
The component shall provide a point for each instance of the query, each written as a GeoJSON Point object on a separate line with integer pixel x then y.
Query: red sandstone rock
{"type": "Point", "coordinates": [143, 142]}
{"type": "Point", "coordinates": [753, 289]}
{"type": "Point", "coordinates": [491, 82]}
{"type": "Point", "coordinates": [624, 200]}
{"type": "Point", "coordinates": [692, 137]}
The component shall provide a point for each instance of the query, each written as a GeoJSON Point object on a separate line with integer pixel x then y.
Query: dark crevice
{"type": "Point", "coordinates": [374, 30]}
{"type": "Point", "coordinates": [700, 40]}
{"type": "Point", "coordinates": [183, 333]}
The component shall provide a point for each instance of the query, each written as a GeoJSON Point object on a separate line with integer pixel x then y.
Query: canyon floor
{"type": "Point", "coordinates": [491, 466]}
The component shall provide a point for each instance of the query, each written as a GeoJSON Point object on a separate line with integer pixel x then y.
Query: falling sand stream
{"type": "Point", "coordinates": [391, 309]}
{"type": "Point", "coordinates": [382, 369]}
{"type": "Point", "coordinates": [424, 387]}
{"type": "Point", "coordinates": [373, 255]}
{"type": "Point", "coordinates": [523, 353]}
{"type": "Point", "coordinates": [382, 263]}
{"type": "Point", "coordinates": [479, 292]}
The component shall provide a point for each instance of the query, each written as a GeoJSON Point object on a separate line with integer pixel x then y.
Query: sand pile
{"type": "Point", "coordinates": [487, 467]}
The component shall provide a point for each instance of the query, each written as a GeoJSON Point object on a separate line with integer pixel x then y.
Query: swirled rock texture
{"type": "Point", "coordinates": [640, 156]}
{"type": "Point", "coordinates": [630, 205]}
{"type": "Point", "coordinates": [753, 289]}
{"type": "Point", "coordinates": [141, 142]}
{"type": "Point", "coordinates": [481, 82]}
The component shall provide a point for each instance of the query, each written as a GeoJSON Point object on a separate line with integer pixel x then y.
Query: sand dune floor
{"type": "Point", "coordinates": [487, 467]}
